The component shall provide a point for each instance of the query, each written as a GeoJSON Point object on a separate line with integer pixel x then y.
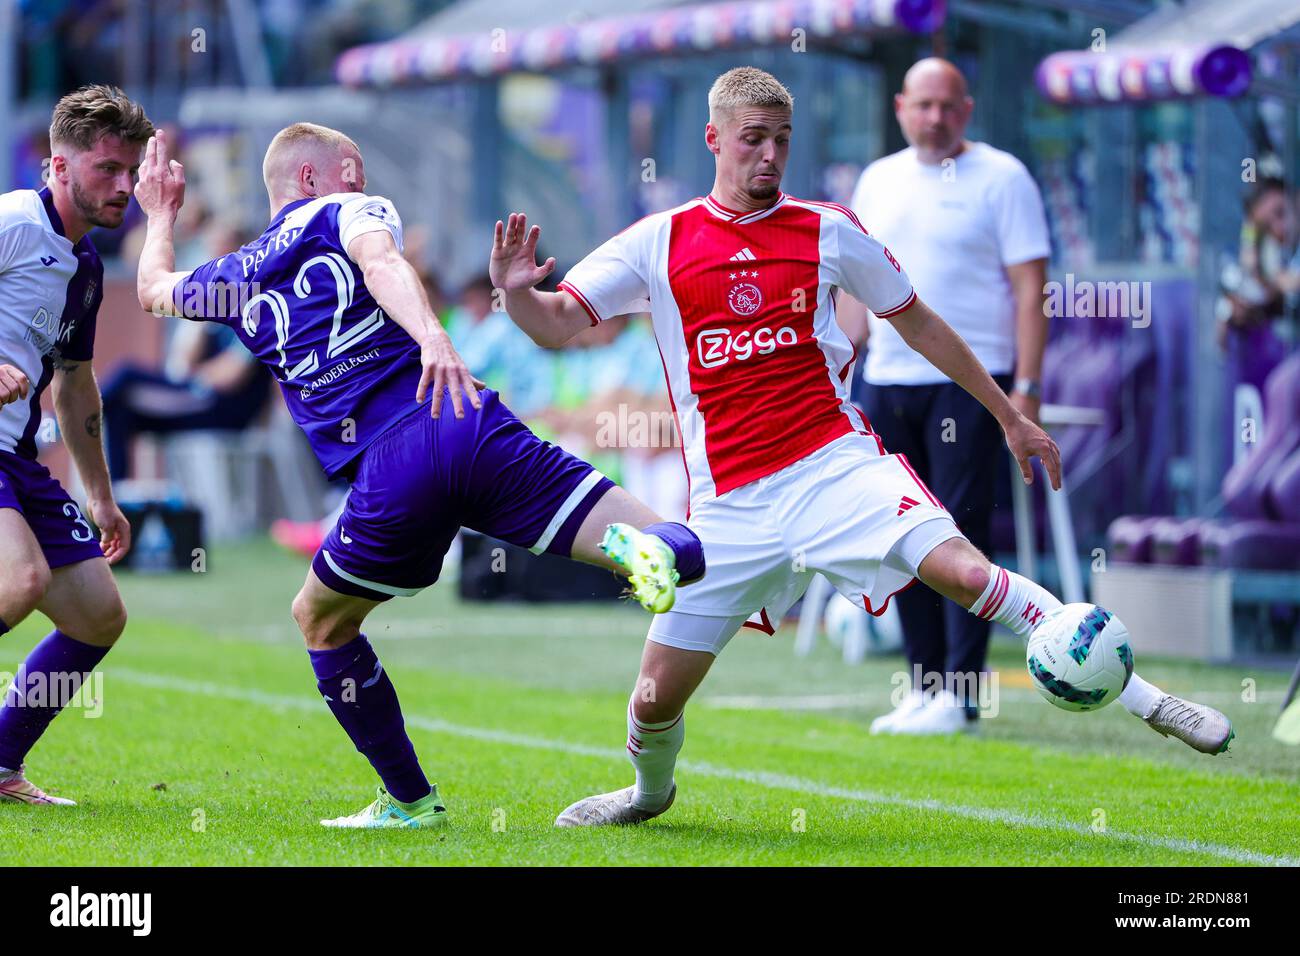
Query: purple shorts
{"type": "Point", "coordinates": [423, 479]}
{"type": "Point", "coordinates": [62, 531]}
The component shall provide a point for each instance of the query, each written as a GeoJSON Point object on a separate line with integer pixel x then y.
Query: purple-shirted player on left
{"type": "Point", "coordinates": [51, 285]}
{"type": "Point", "coordinates": [324, 298]}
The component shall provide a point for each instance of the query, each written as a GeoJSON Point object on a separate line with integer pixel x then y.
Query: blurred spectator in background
{"type": "Point", "coordinates": [609, 404]}
{"type": "Point", "coordinates": [1255, 285]}
{"type": "Point", "coordinates": [69, 43]}
{"type": "Point", "coordinates": [210, 381]}
{"type": "Point", "coordinates": [498, 351]}
{"type": "Point", "coordinates": [967, 223]}
{"type": "Point", "coordinates": [416, 243]}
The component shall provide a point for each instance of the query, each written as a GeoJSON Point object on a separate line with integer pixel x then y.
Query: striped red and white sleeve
{"type": "Point", "coordinates": [613, 280]}
{"type": "Point", "coordinates": [867, 270]}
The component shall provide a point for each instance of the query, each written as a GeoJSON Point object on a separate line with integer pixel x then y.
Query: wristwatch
{"type": "Point", "coordinates": [1029, 387]}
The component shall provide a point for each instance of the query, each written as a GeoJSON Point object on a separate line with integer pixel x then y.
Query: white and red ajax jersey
{"type": "Point", "coordinates": [744, 313]}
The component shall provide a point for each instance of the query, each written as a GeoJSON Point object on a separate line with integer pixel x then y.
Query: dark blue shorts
{"type": "Point", "coordinates": [62, 531]}
{"type": "Point", "coordinates": [422, 480]}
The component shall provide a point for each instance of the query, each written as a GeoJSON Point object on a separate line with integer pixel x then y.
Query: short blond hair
{"type": "Point", "coordinates": [747, 86]}
{"type": "Point", "coordinates": [301, 135]}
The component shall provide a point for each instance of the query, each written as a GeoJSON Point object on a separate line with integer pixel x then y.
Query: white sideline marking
{"type": "Point", "coordinates": [863, 699]}
{"type": "Point", "coordinates": [870, 700]}
{"type": "Point", "coordinates": [773, 781]}
{"type": "Point", "coordinates": [418, 630]}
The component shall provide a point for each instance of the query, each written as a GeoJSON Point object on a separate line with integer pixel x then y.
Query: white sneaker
{"type": "Point", "coordinates": [884, 724]}
{"type": "Point", "coordinates": [610, 809]}
{"type": "Point", "coordinates": [16, 788]}
{"type": "Point", "coordinates": [942, 714]}
{"type": "Point", "coordinates": [1200, 727]}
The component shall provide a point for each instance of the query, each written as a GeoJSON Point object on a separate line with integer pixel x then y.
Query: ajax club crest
{"type": "Point", "coordinates": [745, 298]}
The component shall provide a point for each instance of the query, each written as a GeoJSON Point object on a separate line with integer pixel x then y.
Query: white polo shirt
{"type": "Point", "coordinates": [956, 227]}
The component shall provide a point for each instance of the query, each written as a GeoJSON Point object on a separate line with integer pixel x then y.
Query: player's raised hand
{"type": "Point", "coordinates": [160, 190]}
{"type": "Point", "coordinates": [13, 385]}
{"type": "Point", "coordinates": [1026, 440]}
{"type": "Point", "coordinates": [513, 266]}
{"type": "Point", "coordinates": [114, 529]}
{"type": "Point", "coordinates": [444, 368]}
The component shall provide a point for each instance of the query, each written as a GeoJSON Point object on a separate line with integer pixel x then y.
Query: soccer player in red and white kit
{"type": "Point", "coordinates": [787, 478]}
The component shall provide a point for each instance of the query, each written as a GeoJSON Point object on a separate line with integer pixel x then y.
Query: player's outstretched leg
{"type": "Point", "coordinates": [957, 570]}
{"type": "Point", "coordinates": [656, 556]}
{"type": "Point", "coordinates": [359, 693]}
{"type": "Point", "coordinates": [82, 601]}
{"type": "Point", "coordinates": [656, 723]}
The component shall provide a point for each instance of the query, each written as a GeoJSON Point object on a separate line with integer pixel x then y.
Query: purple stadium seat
{"type": "Point", "coordinates": [1176, 541]}
{"type": "Point", "coordinates": [1128, 538]}
{"type": "Point", "coordinates": [1246, 486]}
{"type": "Point", "coordinates": [1284, 490]}
{"type": "Point", "coordinates": [1257, 545]}
{"type": "Point", "coordinates": [1261, 496]}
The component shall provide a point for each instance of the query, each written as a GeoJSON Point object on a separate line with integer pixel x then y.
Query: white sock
{"type": "Point", "coordinates": [654, 749]}
{"type": "Point", "coordinates": [1014, 601]}
{"type": "Point", "coordinates": [1019, 603]}
{"type": "Point", "coordinates": [1140, 697]}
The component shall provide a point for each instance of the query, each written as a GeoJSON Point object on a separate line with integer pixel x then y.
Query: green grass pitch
{"type": "Point", "coordinates": [214, 748]}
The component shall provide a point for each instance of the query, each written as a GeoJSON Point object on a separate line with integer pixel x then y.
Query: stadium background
{"type": "Point", "coordinates": [590, 114]}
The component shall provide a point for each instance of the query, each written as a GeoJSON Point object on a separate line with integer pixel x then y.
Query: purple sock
{"type": "Point", "coordinates": [686, 546]}
{"type": "Point", "coordinates": [48, 679]}
{"type": "Point", "coordinates": [4, 628]}
{"type": "Point", "coordinates": [364, 701]}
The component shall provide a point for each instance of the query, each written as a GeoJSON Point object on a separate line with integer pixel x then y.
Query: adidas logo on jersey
{"type": "Point", "coordinates": [744, 255]}
{"type": "Point", "coordinates": [907, 504]}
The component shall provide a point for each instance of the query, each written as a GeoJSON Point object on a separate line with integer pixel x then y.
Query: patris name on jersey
{"type": "Point", "coordinates": [283, 239]}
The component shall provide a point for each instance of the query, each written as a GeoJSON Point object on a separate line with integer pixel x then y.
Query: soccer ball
{"type": "Point", "coordinates": [1079, 657]}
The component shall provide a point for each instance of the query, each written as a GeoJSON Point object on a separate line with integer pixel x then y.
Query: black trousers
{"type": "Point", "coordinates": [957, 448]}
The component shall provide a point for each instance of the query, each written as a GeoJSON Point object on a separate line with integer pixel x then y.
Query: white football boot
{"type": "Point", "coordinates": [1200, 727]}
{"type": "Point", "coordinates": [16, 788]}
{"type": "Point", "coordinates": [884, 724]}
{"type": "Point", "coordinates": [941, 714]}
{"type": "Point", "coordinates": [610, 809]}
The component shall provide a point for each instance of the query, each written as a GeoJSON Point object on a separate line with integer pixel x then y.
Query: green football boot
{"type": "Point", "coordinates": [388, 812]}
{"type": "Point", "coordinates": [649, 563]}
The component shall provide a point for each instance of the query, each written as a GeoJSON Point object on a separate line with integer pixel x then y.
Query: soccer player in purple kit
{"type": "Point", "coordinates": [325, 299]}
{"type": "Point", "coordinates": [51, 285]}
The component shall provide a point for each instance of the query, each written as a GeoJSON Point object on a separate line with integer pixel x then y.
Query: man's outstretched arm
{"type": "Point", "coordinates": [923, 330]}
{"type": "Point", "coordinates": [160, 191]}
{"type": "Point", "coordinates": [549, 318]}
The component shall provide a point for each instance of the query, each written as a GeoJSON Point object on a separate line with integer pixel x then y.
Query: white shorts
{"type": "Point", "coordinates": [849, 511]}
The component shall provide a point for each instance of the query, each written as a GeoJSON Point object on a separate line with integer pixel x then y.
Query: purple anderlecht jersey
{"type": "Point", "coordinates": [298, 302]}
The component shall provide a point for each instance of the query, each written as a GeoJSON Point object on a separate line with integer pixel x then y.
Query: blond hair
{"type": "Point", "coordinates": [295, 139]}
{"type": "Point", "coordinates": [85, 115]}
{"type": "Point", "coordinates": [747, 86]}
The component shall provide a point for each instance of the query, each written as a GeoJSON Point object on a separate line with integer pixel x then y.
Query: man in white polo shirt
{"type": "Point", "coordinates": [968, 221]}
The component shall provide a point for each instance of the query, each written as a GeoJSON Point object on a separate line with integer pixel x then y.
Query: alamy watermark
{"type": "Point", "coordinates": [1085, 299]}
{"type": "Point", "coordinates": [977, 689]}
{"type": "Point", "coordinates": [633, 428]}
{"type": "Point", "coordinates": [57, 689]}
